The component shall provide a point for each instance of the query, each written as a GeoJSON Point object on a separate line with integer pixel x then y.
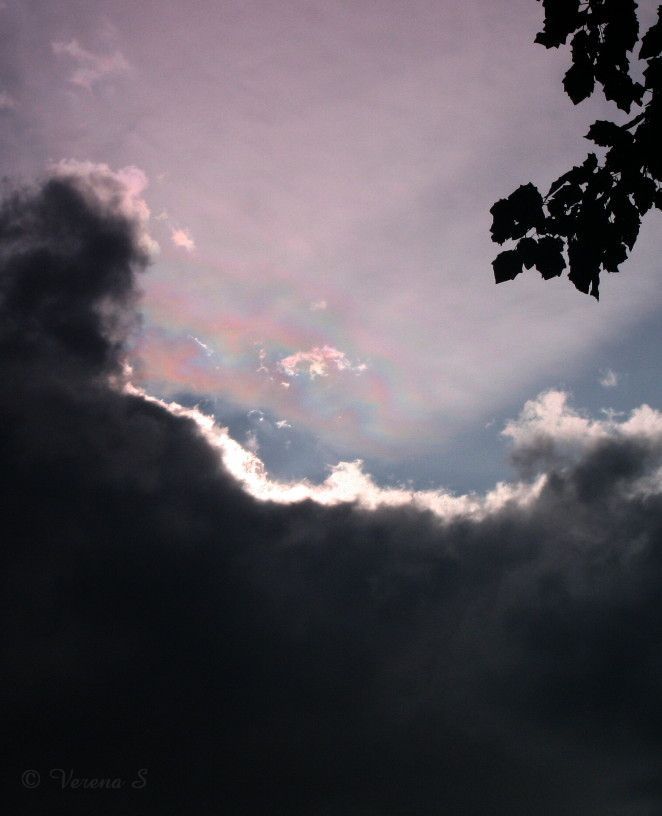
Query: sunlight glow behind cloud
{"type": "Point", "coordinates": [347, 481]}
{"type": "Point", "coordinates": [547, 416]}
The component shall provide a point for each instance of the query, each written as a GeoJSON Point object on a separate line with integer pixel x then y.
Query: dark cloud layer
{"type": "Point", "coordinates": [296, 659]}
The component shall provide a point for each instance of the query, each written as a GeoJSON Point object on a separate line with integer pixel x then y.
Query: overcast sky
{"type": "Point", "coordinates": [302, 513]}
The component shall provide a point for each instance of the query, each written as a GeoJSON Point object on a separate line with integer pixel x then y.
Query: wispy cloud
{"type": "Point", "coordinates": [609, 379]}
{"type": "Point", "coordinates": [182, 238]}
{"type": "Point", "coordinates": [317, 362]}
{"type": "Point", "coordinates": [318, 306]}
{"type": "Point", "coordinates": [91, 67]}
{"type": "Point", "coordinates": [207, 350]}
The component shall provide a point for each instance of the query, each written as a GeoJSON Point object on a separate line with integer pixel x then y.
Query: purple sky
{"type": "Point", "coordinates": [319, 178]}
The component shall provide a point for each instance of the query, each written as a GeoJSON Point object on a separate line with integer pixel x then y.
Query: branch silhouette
{"type": "Point", "coordinates": [590, 218]}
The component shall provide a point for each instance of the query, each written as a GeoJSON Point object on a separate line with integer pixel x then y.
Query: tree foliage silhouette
{"type": "Point", "coordinates": [589, 220]}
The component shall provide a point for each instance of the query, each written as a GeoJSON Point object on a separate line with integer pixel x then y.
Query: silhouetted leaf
{"type": "Point", "coordinates": [577, 175]}
{"type": "Point", "coordinates": [584, 266]}
{"type": "Point", "coordinates": [512, 217]}
{"type": "Point", "coordinates": [584, 46]}
{"type": "Point", "coordinates": [561, 19]}
{"type": "Point", "coordinates": [507, 265]}
{"type": "Point", "coordinates": [644, 194]}
{"type": "Point", "coordinates": [550, 261]}
{"type": "Point", "coordinates": [627, 218]}
{"type": "Point", "coordinates": [623, 157]}
{"type": "Point", "coordinates": [614, 253]}
{"type": "Point", "coordinates": [527, 249]}
{"type": "Point", "coordinates": [573, 176]}
{"type": "Point", "coordinates": [579, 82]}
{"type": "Point", "coordinates": [605, 133]}
{"type": "Point", "coordinates": [622, 28]}
{"type": "Point", "coordinates": [545, 253]}
{"type": "Point", "coordinates": [617, 84]}
{"type": "Point", "coordinates": [601, 181]}
{"type": "Point", "coordinates": [648, 138]}
{"type": "Point", "coordinates": [549, 40]}
{"type": "Point", "coordinates": [564, 200]}
{"type": "Point", "coordinates": [653, 74]}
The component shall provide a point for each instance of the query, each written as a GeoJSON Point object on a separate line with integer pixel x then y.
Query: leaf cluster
{"type": "Point", "coordinates": [590, 218]}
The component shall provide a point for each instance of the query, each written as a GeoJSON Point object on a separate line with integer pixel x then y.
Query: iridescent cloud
{"type": "Point", "coordinates": [317, 362]}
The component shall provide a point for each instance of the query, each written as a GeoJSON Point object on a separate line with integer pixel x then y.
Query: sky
{"type": "Point", "coordinates": [319, 180]}
{"type": "Point", "coordinates": [305, 514]}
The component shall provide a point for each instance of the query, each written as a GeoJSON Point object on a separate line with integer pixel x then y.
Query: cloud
{"type": "Point", "coordinates": [7, 102]}
{"type": "Point", "coordinates": [318, 306]}
{"type": "Point", "coordinates": [91, 67]}
{"type": "Point", "coordinates": [251, 442]}
{"type": "Point", "coordinates": [549, 432]}
{"type": "Point", "coordinates": [182, 238]}
{"type": "Point", "coordinates": [119, 192]}
{"type": "Point", "coordinates": [609, 379]}
{"type": "Point", "coordinates": [347, 481]}
{"type": "Point", "coordinates": [69, 261]}
{"type": "Point", "coordinates": [349, 650]}
{"type": "Point", "coordinates": [317, 362]}
{"type": "Point", "coordinates": [550, 416]}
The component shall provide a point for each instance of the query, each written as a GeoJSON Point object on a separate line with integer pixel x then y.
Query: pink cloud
{"type": "Point", "coordinates": [182, 238]}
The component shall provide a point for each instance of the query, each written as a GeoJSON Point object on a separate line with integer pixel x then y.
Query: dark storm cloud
{"type": "Point", "coordinates": [259, 658]}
